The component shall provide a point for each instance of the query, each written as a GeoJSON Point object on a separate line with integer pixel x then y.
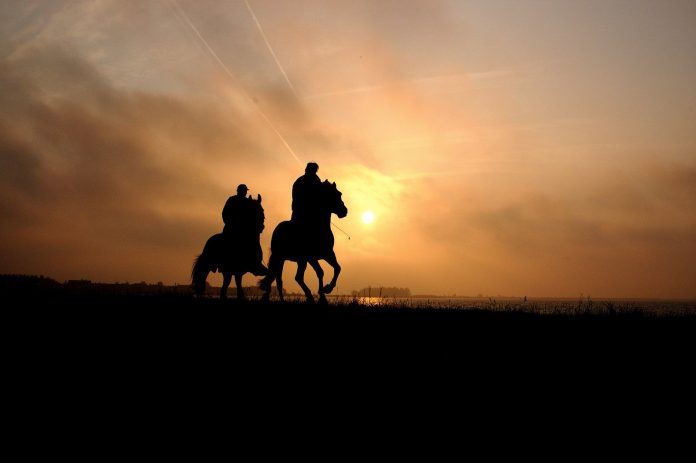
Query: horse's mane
{"type": "Point", "coordinates": [328, 184]}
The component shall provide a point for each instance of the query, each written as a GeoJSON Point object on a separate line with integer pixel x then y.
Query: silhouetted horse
{"type": "Point", "coordinates": [228, 255]}
{"type": "Point", "coordinates": [306, 244]}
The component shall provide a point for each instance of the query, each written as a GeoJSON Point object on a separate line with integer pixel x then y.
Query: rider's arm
{"type": "Point", "coordinates": [226, 212]}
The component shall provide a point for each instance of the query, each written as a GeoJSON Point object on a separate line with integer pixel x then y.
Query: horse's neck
{"type": "Point", "coordinates": [325, 219]}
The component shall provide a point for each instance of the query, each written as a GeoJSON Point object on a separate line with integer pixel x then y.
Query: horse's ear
{"type": "Point", "coordinates": [334, 184]}
{"type": "Point", "coordinates": [258, 198]}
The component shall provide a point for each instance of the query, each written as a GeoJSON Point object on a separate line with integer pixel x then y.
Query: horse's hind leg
{"type": "Point", "coordinates": [279, 279]}
{"type": "Point", "coordinates": [320, 275]}
{"type": "Point", "coordinates": [226, 279]}
{"type": "Point", "coordinates": [240, 289]}
{"type": "Point", "coordinates": [299, 278]}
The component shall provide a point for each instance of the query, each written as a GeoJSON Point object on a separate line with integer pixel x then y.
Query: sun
{"type": "Point", "coordinates": [368, 217]}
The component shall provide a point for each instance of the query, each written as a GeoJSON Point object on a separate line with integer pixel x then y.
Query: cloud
{"type": "Point", "coordinates": [641, 207]}
{"type": "Point", "coordinates": [121, 137]}
{"type": "Point", "coordinates": [86, 165]}
{"type": "Point", "coordinates": [629, 232]}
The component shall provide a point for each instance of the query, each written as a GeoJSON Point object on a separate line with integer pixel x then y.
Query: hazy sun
{"type": "Point", "coordinates": [368, 217]}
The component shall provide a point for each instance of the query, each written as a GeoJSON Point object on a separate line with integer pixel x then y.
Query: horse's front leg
{"type": "Point", "coordinates": [299, 278]}
{"type": "Point", "coordinates": [331, 260]}
{"type": "Point", "coordinates": [240, 289]}
{"type": "Point", "coordinates": [320, 275]}
{"type": "Point", "coordinates": [226, 279]}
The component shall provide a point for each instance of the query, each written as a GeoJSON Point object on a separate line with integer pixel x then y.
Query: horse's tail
{"type": "Point", "coordinates": [199, 274]}
{"type": "Point", "coordinates": [203, 265]}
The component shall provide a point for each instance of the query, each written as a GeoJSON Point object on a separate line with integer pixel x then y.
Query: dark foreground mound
{"type": "Point", "coordinates": [166, 325]}
{"type": "Point", "coordinates": [165, 357]}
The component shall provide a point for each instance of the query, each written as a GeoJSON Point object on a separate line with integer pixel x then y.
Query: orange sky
{"type": "Point", "coordinates": [505, 147]}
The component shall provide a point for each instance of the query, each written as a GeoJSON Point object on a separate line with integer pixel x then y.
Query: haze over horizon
{"type": "Point", "coordinates": [527, 147]}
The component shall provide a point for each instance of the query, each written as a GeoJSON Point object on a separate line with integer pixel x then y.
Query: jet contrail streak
{"type": "Point", "coordinates": [268, 44]}
{"type": "Point", "coordinates": [229, 73]}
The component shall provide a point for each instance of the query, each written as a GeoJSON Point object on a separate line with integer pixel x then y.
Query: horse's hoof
{"type": "Point", "coordinates": [309, 300]}
{"type": "Point", "coordinates": [323, 300]}
{"type": "Point", "coordinates": [265, 298]}
{"type": "Point", "coordinates": [327, 289]}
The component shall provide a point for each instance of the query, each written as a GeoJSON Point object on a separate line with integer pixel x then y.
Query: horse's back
{"type": "Point", "coordinates": [214, 243]}
{"type": "Point", "coordinates": [225, 255]}
{"type": "Point", "coordinates": [283, 236]}
{"type": "Point", "coordinates": [293, 242]}
{"type": "Point", "coordinates": [282, 230]}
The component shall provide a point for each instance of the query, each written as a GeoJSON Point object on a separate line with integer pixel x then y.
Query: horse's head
{"type": "Point", "coordinates": [257, 216]}
{"type": "Point", "coordinates": [332, 199]}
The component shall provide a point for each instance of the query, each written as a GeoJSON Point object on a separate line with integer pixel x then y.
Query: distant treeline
{"type": "Point", "coordinates": [33, 284]}
{"type": "Point", "coordinates": [27, 283]}
{"type": "Point", "coordinates": [382, 291]}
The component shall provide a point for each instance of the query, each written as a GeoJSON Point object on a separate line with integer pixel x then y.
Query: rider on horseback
{"type": "Point", "coordinates": [241, 216]}
{"type": "Point", "coordinates": [307, 237]}
{"type": "Point", "coordinates": [306, 193]}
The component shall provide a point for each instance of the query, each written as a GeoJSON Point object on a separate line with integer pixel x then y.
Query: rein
{"type": "Point", "coordinates": [339, 229]}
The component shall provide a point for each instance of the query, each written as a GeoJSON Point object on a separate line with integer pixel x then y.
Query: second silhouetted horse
{"type": "Point", "coordinates": [228, 256]}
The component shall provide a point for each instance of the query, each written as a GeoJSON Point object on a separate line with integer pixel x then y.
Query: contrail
{"type": "Point", "coordinates": [268, 44]}
{"type": "Point", "coordinates": [229, 73]}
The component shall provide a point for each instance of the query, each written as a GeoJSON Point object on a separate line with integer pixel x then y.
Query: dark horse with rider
{"type": "Point", "coordinates": [306, 239]}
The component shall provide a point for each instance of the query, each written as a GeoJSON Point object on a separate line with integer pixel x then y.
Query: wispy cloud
{"type": "Point", "coordinates": [447, 79]}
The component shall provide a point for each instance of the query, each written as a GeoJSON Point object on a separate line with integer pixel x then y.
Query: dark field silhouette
{"type": "Point", "coordinates": [114, 323]}
{"type": "Point", "coordinates": [282, 351]}
{"type": "Point", "coordinates": [347, 322]}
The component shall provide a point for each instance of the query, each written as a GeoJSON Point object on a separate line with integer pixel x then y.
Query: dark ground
{"type": "Point", "coordinates": [162, 325]}
{"type": "Point", "coordinates": [132, 361]}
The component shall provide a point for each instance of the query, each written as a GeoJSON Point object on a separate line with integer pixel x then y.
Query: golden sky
{"type": "Point", "coordinates": [521, 147]}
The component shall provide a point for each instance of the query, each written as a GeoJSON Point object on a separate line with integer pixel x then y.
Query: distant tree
{"type": "Point", "coordinates": [382, 291]}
